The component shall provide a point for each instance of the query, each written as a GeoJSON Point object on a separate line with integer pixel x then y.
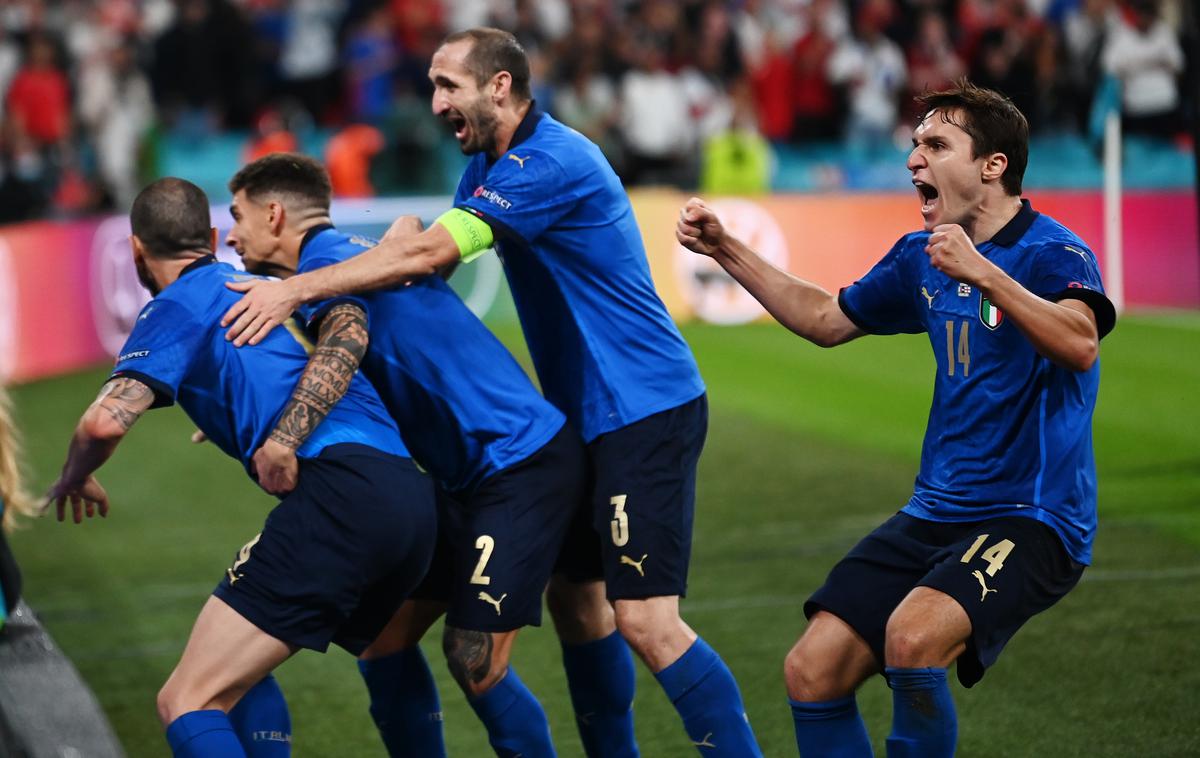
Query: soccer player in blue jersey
{"type": "Point", "coordinates": [1001, 520]}
{"type": "Point", "coordinates": [358, 490]}
{"type": "Point", "coordinates": [605, 350]}
{"type": "Point", "coordinates": [510, 468]}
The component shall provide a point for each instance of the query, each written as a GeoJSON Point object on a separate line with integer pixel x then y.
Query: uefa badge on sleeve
{"type": "Point", "coordinates": [990, 315]}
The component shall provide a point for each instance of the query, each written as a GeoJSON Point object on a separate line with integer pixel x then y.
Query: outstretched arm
{"type": "Point", "coordinates": [340, 348]}
{"type": "Point", "coordinates": [119, 405]}
{"type": "Point", "coordinates": [267, 304]}
{"type": "Point", "coordinates": [803, 307]}
{"type": "Point", "coordinates": [1065, 331]}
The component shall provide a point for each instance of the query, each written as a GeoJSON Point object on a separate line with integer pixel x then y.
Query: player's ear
{"type": "Point", "coordinates": [213, 242]}
{"type": "Point", "coordinates": [276, 214]}
{"type": "Point", "coordinates": [993, 167]}
{"type": "Point", "coordinates": [501, 85]}
{"type": "Point", "coordinates": [139, 249]}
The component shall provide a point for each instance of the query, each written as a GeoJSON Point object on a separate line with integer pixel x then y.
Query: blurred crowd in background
{"type": "Point", "coordinates": [688, 93]}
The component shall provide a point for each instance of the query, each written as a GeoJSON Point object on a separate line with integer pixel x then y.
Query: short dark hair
{"type": "Point", "coordinates": [292, 174]}
{"type": "Point", "coordinates": [493, 51]}
{"type": "Point", "coordinates": [170, 216]}
{"type": "Point", "coordinates": [992, 122]}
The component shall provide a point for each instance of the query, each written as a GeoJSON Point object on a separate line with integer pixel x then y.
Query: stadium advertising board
{"type": "Point", "coordinates": [69, 292]}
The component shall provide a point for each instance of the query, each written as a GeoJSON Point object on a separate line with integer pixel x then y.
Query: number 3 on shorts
{"type": "Point", "coordinates": [994, 555]}
{"type": "Point", "coordinates": [620, 521]}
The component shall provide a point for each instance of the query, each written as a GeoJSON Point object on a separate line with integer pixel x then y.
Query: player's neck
{"type": "Point", "coordinates": [166, 270]}
{"type": "Point", "coordinates": [994, 215]}
{"type": "Point", "coordinates": [510, 119]}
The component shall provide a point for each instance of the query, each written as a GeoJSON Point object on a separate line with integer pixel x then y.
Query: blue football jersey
{"type": "Point", "coordinates": [236, 395]}
{"type": "Point", "coordinates": [605, 349]}
{"type": "Point", "coordinates": [1010, 432]}
{"type": "Point", "coordinates": [465, 406]}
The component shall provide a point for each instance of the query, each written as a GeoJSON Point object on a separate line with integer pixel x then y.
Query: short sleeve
{"type": "Point", "coordinates": [1063, 270]}
{"type": "Point", "coordinates": [882, 301]}
{"type": "Point", "coordinates": [161, 348]}
{"type": "Point", "coordinates": [312, 313]}
{"type": "Point", "coordinates": [522, 195]}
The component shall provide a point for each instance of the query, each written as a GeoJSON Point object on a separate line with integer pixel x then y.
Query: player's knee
{"type": "Point", "coordinates": [809, 678]}
{"type": "Point", "coordinates": [580, 611]}
{"type": "Point", "coordinates": [911, 646]}
{"type": "Point", "coordinates": [473, 661]}
{"type": "Point", "coordinates": [170, 704]}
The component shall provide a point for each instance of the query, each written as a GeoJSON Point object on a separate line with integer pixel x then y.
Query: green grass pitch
{"type": "Point", "coordinates": [808, 450]}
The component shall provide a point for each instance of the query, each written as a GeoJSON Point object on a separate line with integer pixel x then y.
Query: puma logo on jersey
{"type": "Point", "coordinates": [493, 601]}
{"type": "Point", "coordinates": [983, 595]}
{"type": "Point", "coordinates": [243, 556]}
{"type": "Point", "coordinates": [704, 742]}
{"type": "Point", "coordinates": [928, 297]}
{"type": "Point", "coordinates": [520, 161]}
{"type": "Point", "coordinates": [626, 560]}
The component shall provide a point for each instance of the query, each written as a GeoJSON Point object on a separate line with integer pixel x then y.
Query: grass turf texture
{"type": "Point", "coordinates": [807, 451]}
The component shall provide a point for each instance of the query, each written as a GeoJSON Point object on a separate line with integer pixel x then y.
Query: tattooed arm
{"type": "Point", "coordinates": [340, 348]}
{"type": "Point", "coordinates": [120, 404]}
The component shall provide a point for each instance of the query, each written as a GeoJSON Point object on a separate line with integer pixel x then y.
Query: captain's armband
{"type": "Point", "coordinates": [471, 233]}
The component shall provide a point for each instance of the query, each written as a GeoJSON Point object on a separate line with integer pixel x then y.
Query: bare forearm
{"type": "Point", "coordinates": [119, 405]}
{"type": "Point", "coordinates": [340, 348]}
{"type": "Point", "coordinates": [389, 263]}
{"type": "Point", "coordinates": [803, 307]}
{"type": "Point", "coordinates": [1063, 332]}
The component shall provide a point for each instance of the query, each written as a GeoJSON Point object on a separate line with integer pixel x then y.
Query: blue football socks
{"type": "Point", "coordinates": [600, 677]}
{"type": "Point", "coordinates": [704, 693]}
{"type": "Point", "coordinates": [261, 721]}
{"type": "Point", "coordinates": [831, 729]}
{"type": "Point", "coordinates": [405, 704]}
{"type": "Point", "coordinates": [923, 719]}
{"type": "Point", "coordinates": [515, 721]}
{"type": "Point", "coordinates": [203, 734]}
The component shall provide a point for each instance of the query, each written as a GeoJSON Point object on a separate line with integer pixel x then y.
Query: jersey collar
{"type": "Point", "coordinates": [198, 264]}
{"type": "Point", "coordinates": [313, 232]}
{"type": "Point", "coordinates": [525, 129]}
{"type": "Point", "coordinates": [1015, 229]}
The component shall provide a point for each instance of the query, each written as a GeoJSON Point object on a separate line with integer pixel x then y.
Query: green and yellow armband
{"type": "Point", "coordinates": [471, 233]}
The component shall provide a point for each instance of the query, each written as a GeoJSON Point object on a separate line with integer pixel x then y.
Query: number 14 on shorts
{"type": "Point", "coordinates": [994, 555]}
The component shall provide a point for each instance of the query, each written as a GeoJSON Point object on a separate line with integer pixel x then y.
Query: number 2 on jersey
{"type": "Point", "coordinates": [486, 545]}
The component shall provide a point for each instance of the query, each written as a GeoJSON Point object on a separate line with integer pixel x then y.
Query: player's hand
{"type": "Point", "coordinates": [199, 437]}
{"type": "Point", "coordinates": [951, 251]}
{"type": "Point", "coordinates": [276, 467]}
{"type": "Point", "coordinates": [88, 497]}
{"type": "Point", "coordinates": [405, 226]}
{"type": "Point", "coordinates": [698, 228]}
{"type": "Point", "coordinates": [266, 305]}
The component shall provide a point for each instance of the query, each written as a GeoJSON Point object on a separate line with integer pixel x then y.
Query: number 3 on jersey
{"type": "Point", "coordinates": [620, 521]}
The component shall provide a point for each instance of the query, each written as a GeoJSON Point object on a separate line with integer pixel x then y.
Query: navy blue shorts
{"type": "Point", "coordinates": [498, 543]}
{"type": "Point", "coordinates": [1002, 572]}
{"type": "Point", "coordinates": [644, 500]}
{"type": "Point", "coordinates": [340, 553]}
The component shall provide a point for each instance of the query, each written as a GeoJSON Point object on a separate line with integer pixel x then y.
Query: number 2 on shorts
{"type": "Point", "coordinates": [620, 521]}
{"type": "Point", "coordinates": [486, 545]}
{"type": "Point", "coordinates": [994, 555]}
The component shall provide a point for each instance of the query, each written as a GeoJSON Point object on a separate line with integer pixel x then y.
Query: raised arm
{"type": "Point", "coordinates": [119, 405]}
{"type": "Point", "coordinates": [341, 345]}
{"type": "Point", "coordinates": [1066, 331]}
{"type": "Point", "coordinates": [395, 260]}
{"type": "Point", "coordinates": [803, 307]}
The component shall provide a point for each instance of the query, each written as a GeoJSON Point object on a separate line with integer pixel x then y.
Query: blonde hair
{"type": "Point", "coordinates": [15, 500]}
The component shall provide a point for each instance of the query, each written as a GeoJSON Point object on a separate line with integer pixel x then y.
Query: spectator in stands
{"type": "Point", "coordinates": [14, 502]}
{"type": "Point", "coordinates": [308, 60]}
{"type": "Point", "coordinates": [1084, 28]}
{"type": "Point", "coordinates": [348, 157]}
{"type": "Point", "coordinates": [933, 63]}
{"type": "Point", "coordinates": [656, 123]}
{"type": "Point", "coordinates": [370, 65]}
{"type": "Point", "coordinates": [586, 101]}
{"type": "Point", "coordinates": [117, 109]}
{"type": "Point", "coordinates": [817, 104]}
{"type": "Point", "coordinates": [38, 101]}
{"type": "Point", "coordinates": [872, 69]}
{"type": "Point", "coordinates": [1144, 53]}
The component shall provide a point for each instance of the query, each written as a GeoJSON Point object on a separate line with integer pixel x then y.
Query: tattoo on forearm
{"type": "Point", "coordinates": [125, 400]}
{"type": "Point", "coordinates": [340, 348]}
{"type": "Point", "coordinates": [469, 655]}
